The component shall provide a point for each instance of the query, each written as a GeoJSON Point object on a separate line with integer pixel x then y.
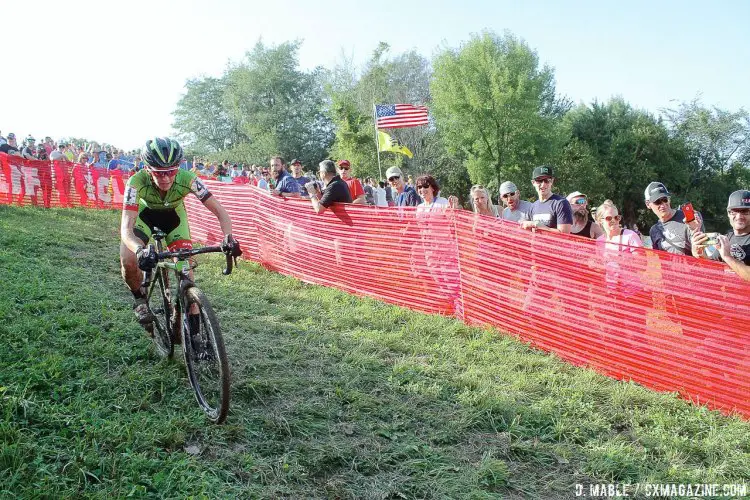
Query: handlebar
{"type": "Point", "coordinates": [185, 253]}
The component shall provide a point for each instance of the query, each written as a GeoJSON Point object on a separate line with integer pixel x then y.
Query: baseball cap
{"type": "Point", "coordinates": [296, 162]}
{"type": "Point", "coordinates": [655, 191]}
{"type": "Point", "coordinates": [392, 172]}
{"type": "Point", "coordinates": [11, 136]}
{"type": "Point", "coordinates": [507, 187]}
{"type": "Point", "coordinates": [575, 194]}
{"type": "Point", "coordinates": [344, 163]}
{"type": "Point", "coordinates": [542, 171]}
{"type": "Point", "coordinates": [739, 199]}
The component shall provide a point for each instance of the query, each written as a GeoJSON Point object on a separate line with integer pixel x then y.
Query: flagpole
{"type": "Point", "coordinates": [377, 144]}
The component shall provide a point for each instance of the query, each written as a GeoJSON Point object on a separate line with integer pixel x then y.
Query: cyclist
{"type": "Point", "coordinates": [154, 198]}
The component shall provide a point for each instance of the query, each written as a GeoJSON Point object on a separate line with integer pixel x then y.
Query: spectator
{"type": "Point", "coordinates": [285, 186]}
{"type": "Point", "coordinates": [670, 233]}
{"type": "Point", "coordinates": [550, 211]}
{"type": "Point", "coordinates": [264, 180]}
{"type": "Point", "coordinates": [379, 195]}
{"type": "Point", "coordinates": [10, 147]}
{"type": "Point", "coordinates": [28, 149]}
{"type": "Point", "coordinates": [336, 190]}
{"type": "Point", "coordinates": [59, 153]}
{"type": "Point", "coordinates": [410, 181]}
{"type": "Point", "coordinates": [614, 236]}
{"type": "Point", "coordinates": [369, 191]}
{"type": "Point", "coordinates": [405, 196]}
{"type": "Point", "coordinates": [355, 187]}
{"type": "Point", "coordinates": [583, 225]}
{"type": "Point", "coordinates": [481, 202]}
{"type": "Point", "coordinates": [429, 190]}
{"type": "Point", "coordinates": [70, 152]}
{"type": "Point", "coordinates": [49, 146]}
{"type": "Point", "coordinates": [734, 247]}
{"type": "Point", "coordinates": [516, 209]}
{"type": "Point", "coordinates": [299, 177]}
{"type": "Point", "coordinates": [41, 153]}
{"type": "Point", "coordinates": [83, 158]}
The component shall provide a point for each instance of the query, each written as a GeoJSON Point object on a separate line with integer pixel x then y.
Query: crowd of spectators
{"type": "Point", "coordinates": [673, 231]}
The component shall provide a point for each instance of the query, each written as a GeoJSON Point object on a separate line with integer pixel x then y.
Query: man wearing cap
{"type": "Point", "coordinates": [298, 176]}
{"type": "Point", "coordinates": [551, 211]}
{"type": "Point", "coordinates": [11, 147]}
{"type": "Point", "coordinates": [516, 209]}
{"type": "Point", "coordinates": [59, 153]}
{"type": "Point", "coordinates": [286, 186]}
{"type": "Point", "coordinates": [404, 195]}
{"type": "Point", "coordinates": [671, 233]}
{"type": "Point", "coordinates": [583, 224]}
{"type": "Point", "coordinates": [336, 190]}
{"type": "Point", "coordinates": [355, 187]}
{"type": "Point", "coordinates": [734, 247]}
{"type": "Point", "coordinates": [28, 150]}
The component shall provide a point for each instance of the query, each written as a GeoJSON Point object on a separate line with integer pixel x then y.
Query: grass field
{"type": "Point", "coordinates": [333, 396]}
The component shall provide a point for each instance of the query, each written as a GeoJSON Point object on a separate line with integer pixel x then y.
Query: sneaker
{"type": "Point", "coordinates": [142, 312]}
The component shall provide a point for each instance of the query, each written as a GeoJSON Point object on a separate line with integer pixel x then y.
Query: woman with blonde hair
{"type": "Point", "coordinates": [615, 237]}
{"type": "Point", "coordinates": [481, 202]}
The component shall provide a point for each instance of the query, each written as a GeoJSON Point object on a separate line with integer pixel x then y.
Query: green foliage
{"type": "Point", "coordinates": [332, 396]}
{"type": "Point", "coordinates": [493, 103]}
{"type": "Point", "coordinates": [261, 107]}
{"type": "Point", "coordinates": [614, 152]}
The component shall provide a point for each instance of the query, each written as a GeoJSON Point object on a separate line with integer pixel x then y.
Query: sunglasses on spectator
{"type": "Point", "coordinates": [344, 168]}
{"type": "Point", "coordinates": [423, 186]}
{"type": "Point", "coordinates": [660, 201]}
{"type": "Point", "coordinates": [543, 180]}
{"type": "Point", "coordinates": [738, 211]}
{"type": "Point", "coordinates": [394, 178]}
{"type": "Point", "coordinates": [508, 195]}
{"type": "Point", "coordinates": [580, 201]}
{"type": "Point", "coordinates": [611, 218]}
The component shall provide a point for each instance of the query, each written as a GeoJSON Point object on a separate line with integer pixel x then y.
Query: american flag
{"type": "Point", "coordinates": [400, 115]}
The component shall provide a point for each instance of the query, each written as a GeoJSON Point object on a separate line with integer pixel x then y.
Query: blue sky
{"type": "Point", "coordinates": [114, 73]}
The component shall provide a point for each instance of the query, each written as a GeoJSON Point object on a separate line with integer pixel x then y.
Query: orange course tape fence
{"type": "Point", "coordinates": [669, 322]}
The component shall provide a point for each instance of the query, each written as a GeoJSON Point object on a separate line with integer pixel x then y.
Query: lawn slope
{"type": "Point", "coordinates": [333, 396]}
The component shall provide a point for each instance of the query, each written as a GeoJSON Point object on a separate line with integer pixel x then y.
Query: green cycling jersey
{"type": "Point", "coordinates": [140, 191]}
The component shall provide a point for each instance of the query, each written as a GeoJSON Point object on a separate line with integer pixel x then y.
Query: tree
{"type": "Point", "coordinates": [614, 152]}
{"type": "Point", "coordinates": [200, 117]}
{"type": "Point", "coordinates": [494, 104]}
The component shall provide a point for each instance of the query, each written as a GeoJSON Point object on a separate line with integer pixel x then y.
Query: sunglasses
{"type": "Point", "coordinates": [580, 201]}
{"type": "Point", "coordinates": [163, 173]}
{"type": "Point", "coordinates": [394, 178]}
{"type": "Point", "coordinates": [344, 168]}
{"type": "Point", "coordinates": [423, 186]}
{"type": "Point", "coordinates": [544, 181]}
{"type": "Point", "coordinates": [660, 201]}
{"type": "Point", "coordinates": [611, 218]}
{"type": "Point", "coordinates": [738, 211]}
{"type": "Point", "coordinates": [508, 195]}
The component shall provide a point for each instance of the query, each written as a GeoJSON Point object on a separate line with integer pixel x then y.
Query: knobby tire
{"type": "Point", "coordinates": [206, 358]}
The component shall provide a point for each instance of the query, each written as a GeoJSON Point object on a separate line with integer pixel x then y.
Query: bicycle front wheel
{"type": "Point", "coordinates": [205, 357]}
{"type": "Point", "coordinates": [162, 310]}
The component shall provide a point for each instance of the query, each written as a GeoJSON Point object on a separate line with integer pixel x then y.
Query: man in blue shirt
{"type": "Point", "coordinates": [404, 195]}
{"type": "Point", "coordinates": [551, 211]}
{"type": "Point", "coordinates": [286, 185]}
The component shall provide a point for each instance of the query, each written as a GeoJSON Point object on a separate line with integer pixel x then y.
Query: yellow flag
{"type": "Point", "coordinates": [387, 143]}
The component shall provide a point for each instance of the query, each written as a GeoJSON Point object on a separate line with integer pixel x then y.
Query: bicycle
{"type": "Point", "coordinates": [205, 356]}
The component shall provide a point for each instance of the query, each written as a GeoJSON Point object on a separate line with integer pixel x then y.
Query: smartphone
{"type": "Point", "coordinates": [712, 239]}
{"type": "Point", "coordinates": [687, 209]}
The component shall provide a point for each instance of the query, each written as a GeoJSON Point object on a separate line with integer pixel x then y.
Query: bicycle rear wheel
{"type": "Point", "coordinates": [163, 312]}
{"type": "Point", "coordinates": [206, 358]}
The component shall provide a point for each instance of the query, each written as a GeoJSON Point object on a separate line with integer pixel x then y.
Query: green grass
{"type": "Point", "coordinates": [332, 396]}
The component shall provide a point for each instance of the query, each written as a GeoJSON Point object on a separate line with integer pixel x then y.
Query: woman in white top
{"type": "Point", "coordinates": [618, 248]}
{"type": "Point", "coordinates": [428, 189]}
{"type": "Point", "coordinates": [615, 237]}
{"type": "Point", "coordinates": [481, 201]}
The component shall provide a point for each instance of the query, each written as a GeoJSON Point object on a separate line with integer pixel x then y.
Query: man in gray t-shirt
{"type": "Point", "coordinates": [671, 233]}
{"type": "Point", "coordinates": [516, 209]}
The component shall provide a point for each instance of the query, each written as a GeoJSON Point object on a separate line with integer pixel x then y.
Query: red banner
{"type": "Point", "coordinates": [669, 322]}
{"type": "Point", "coordinates": [59, 184]}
